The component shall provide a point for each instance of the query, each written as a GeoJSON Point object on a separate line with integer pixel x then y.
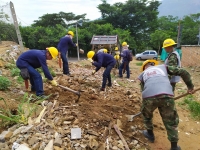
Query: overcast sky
{"type": "Point", "coordinates": [29, 10]}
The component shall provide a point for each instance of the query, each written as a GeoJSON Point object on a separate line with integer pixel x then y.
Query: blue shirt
{"type": "Point", "coordinates": [103, 60]}
{"type": "Point", "coordinates": [125, 54]}
{"type": "Point", "coordinates": [64, 44]}
{"type": "Point", "coordinates": [36, 59]}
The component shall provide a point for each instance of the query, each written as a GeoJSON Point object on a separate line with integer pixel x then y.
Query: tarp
{"type": "Point", "coordinates": [164, 54]}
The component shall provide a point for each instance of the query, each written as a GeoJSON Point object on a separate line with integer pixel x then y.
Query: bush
{"type": "Point", "coordinates": [10, 66]}
{"type": "Point", "coordinates": [4, 83]}
{"type": "Point", "coordinates": [15, 72]}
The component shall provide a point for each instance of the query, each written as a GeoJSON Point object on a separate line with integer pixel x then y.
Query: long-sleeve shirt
{"type": "Point", "coordinates": [36, 59]}
{"type": "Point", "coordinates": [103, 60]}
{"type": "Point", "coordinates": [64, 44]}
{"type": "Point", "coordinates": [125, 54]}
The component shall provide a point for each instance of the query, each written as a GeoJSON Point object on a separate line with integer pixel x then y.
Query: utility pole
{"type": "Point", "coordinates": [16, 26]}
{"type": "Point", "coordinates": [179, 34]}
{"type": "Point", "coordinates": [78, 23]}
{"type": "Point", "coordinates": [199, 37]}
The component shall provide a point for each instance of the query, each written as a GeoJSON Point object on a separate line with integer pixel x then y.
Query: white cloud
{"type": "Point", "coordinates": [29, 10]}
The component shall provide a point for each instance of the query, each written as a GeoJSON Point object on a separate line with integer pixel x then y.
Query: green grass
{"type": "Point", "coordinates": [139, 63]}
{"type": "Point", "coordinates": [24, 111]}
{"type": "Point", "coordinates": [4, 83]}
{"type": "Point", "coordinates": [192, 105]}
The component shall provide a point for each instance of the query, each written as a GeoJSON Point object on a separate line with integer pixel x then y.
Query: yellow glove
{"type": "Point", "coordinates": [117, 53]}
{"type": "Point", "coordinates": [54, 82]}
{"type": "Point", "coordinates": [90, 59]}
{"type": "Point", "coordinates": [93, 72]}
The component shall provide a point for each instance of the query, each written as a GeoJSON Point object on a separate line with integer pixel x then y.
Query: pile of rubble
{"type": "Point", "coordinates": [98, 121]}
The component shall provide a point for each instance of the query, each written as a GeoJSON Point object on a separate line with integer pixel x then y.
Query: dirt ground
{"type": "Point", "coordinates": [100, 108]}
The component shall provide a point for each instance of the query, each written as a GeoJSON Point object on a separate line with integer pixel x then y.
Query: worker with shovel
{"type": "Point", "coordinates": [102, 60]}
{"type": "Point", "coordinates": [157, 93]}
{"type": "Point", "coordinates": [173, 59]}
{"type": "Point", "coordinates": [32, 59]}
{"type": "Point", "coordinates": [63, 47]}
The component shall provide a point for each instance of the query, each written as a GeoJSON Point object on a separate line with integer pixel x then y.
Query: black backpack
{"type": "Point", "coordinates": [130, 56]}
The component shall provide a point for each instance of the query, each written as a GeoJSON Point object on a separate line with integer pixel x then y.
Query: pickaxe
{"type": "Point", "coordinates": [130, 117]}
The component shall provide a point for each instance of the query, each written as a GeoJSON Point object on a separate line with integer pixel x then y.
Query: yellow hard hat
{"type": "Point", "coordinates": [90, 54]}
{"type": "Point", "coordinates": [116, 57]}
{"type": "Point", "coordinates": [124, 44]}
{"type": "Point", "coordinates": [152, 61]}
{"type": "Point", "coordinates": [105, 50]}
{"type": "Point", "coordinates": [168, 42]}
{"type": "Point", "coordinates": [53, 51]}
{"type": "Point", "coordinates": [116, 48]}
{"type": "Point", "coordinates": [70, 33]}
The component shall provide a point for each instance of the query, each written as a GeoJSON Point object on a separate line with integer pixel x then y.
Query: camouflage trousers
{"type": "Point", "coordinates": [168, 112]}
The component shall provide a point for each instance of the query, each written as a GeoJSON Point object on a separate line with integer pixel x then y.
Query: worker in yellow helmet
{"type": "Point", "coordinates": [173, 59]}
{"type": "Point", "coordinates": [30, 60]}
{"type": "Point", "coordinates": [102, 60]}
{"type": "Point", "coordinates": [124, 66]}
{"type": "Point", "coordinates": [63, 47]}
{"type": "Point", "coordinates": [157, 93]}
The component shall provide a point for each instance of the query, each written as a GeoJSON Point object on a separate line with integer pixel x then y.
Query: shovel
{"type": "Point", "coordinates": [73, 91]}
{"type": "Point", "coordinates": [130, 117]}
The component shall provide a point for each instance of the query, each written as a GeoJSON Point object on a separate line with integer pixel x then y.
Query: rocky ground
{"type": "Point", "coordinates": [97, 120]}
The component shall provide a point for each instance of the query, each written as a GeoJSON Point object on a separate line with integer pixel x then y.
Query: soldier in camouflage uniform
{"type": "Point", "coordinates": [173, 59]}
{"type": "Point", "coordinates": [157, 93]}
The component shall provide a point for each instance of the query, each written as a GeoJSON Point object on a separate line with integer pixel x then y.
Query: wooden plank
{"type": "Point", "coordinates": [121, 136]}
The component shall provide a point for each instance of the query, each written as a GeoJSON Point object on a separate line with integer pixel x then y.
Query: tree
{"type": "Point", "coordinates": [137, 16]}
{"type": "Point", "coordinates": [157, 39]}
{"type": "Point", "coordinates": [62, 18]}
{"type": "Point", "coordinates": [191, 25]}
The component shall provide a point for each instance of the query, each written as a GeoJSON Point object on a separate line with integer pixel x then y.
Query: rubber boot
{"type": "Point", "coordinates": [149, 135]}
{"type": "Point", "coordinates": [174, 146]}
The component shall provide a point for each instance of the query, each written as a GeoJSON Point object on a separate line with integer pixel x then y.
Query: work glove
{"type": "Point", "coordinates": [54, 82]}
{"type": "Point", "coordinates": [93, 72]}
{"type": "Point", "coordinates": [90, 59]}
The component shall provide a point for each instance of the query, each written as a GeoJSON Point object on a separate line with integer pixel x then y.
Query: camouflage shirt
{"type": "Point", "coordinates": [173, 60]}
{"type": "Point", "coordinates": [183, 73]}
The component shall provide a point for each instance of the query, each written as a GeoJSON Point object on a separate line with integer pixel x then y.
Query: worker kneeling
{"type": "Point", "coordinates": [33, 59]}
{"type": "Point", "coordinates": [157, 93]}
{"type": "Point", "coordinates": [102, 60]}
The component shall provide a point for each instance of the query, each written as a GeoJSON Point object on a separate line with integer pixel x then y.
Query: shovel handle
{"type": "Point", "coordinates": [66, 88]}
{"type": "Point", "coordinates": [59, 60]}
{"type": "Point", "coordinates": [26, 83]}
{"type": "Point", "coordinates": [180, 96]}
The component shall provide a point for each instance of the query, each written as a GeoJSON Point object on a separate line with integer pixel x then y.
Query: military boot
{"type": "Point", "coordinates": [149, 135]}
{"type": "Point", "coordinates": [174, 146]}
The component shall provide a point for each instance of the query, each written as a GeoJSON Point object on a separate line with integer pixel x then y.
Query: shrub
{"type": "Point", "coordinates": [10, 66]}
{"type": "Point", "coordinates": [15, 72]}
{"type": "Point", "coordinates": [4, 83]}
